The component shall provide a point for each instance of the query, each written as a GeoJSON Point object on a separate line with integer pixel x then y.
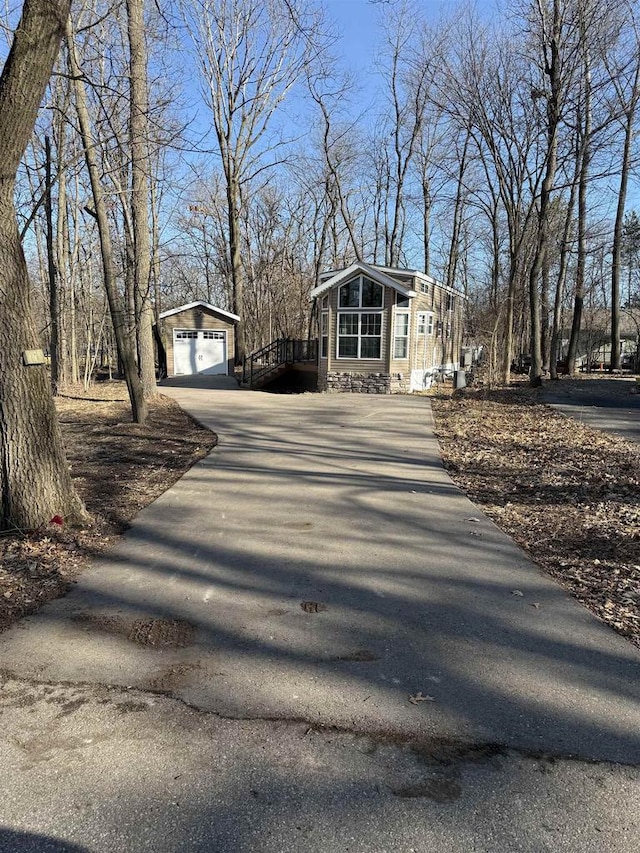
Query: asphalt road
{"type": "Point", "coordinates": [314, 642]}
{"type": "Point", "coordinates": [611, 405]}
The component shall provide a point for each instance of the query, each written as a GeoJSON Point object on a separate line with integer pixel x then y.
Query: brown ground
{"type": "Point", "coordinates": [118, 468]}
{"type": "Point", "coordinates": [568, 494]}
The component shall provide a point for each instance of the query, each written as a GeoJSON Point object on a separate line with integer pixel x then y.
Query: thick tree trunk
{"type": "Point", "coordinates": [34, 475]}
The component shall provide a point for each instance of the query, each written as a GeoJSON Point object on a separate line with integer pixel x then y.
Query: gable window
{"type": "Point", "coordinates": [424, 323]}
{"type": "Point", "coordinates": [360, 292]}
{"type": "Point", "coordinates": [359, 335]}
{"type": "Point", "coordinates": [402, 301]}
{"type": "Point", "coordinates": [401, 335]}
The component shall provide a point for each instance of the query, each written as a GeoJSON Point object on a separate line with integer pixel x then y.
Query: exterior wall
{"type": "Point", "coordinates": [196, 318]}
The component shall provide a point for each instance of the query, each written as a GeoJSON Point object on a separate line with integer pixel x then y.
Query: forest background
{"type": "Point", "coordinates": [231, 150]}
{"type": "Point", "coordinates": [486, 145]}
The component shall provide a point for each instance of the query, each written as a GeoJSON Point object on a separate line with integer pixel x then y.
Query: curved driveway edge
{"type": "Point", "coordinates": [320, 565]}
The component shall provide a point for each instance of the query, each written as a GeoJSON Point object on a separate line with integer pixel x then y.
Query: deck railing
{"type": "Point", "coordinates": [276, 355]}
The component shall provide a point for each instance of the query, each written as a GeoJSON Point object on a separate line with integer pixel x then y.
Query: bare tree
{"type": "Point", "coordinates": [250, 53]}
{"type": "Point", "coordinates": [125, 350]}
{"type": "Point", "coordinates": [626, 85]}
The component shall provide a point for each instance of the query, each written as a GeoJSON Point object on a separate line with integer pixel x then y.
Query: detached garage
{"type": "Point", "coordinates": [197, 338]}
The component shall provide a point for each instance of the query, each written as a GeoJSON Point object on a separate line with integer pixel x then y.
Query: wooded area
{"type": "Point", "coordinates": [223, 150]}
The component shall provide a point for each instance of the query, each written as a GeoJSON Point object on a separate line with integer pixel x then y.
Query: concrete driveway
{"type": "Point", "coordinates": [607, 404]}
{"type": "Point", "coordinates": [320, 565]}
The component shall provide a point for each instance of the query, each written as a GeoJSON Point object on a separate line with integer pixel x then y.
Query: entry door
{"type": "Point", "coordinates": [199, 351]}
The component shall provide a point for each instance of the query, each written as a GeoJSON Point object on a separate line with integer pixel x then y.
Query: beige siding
{"type": "Point", "coordinates": [196, 318]}
{"type": "Point", "coordinates": [423, 352]}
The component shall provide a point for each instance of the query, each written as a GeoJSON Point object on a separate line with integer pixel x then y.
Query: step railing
{"type": "Point", "coordinates": [280, 353]}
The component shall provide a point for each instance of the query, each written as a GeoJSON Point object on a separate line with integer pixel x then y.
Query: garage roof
{"type": "Point", "coordinates": [200, 305]}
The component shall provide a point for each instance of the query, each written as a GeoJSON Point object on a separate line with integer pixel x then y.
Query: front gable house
{"type": "Point", "coordinates": [383, 330]}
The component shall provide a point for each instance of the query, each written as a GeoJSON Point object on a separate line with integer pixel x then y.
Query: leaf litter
{"type": "Point", "coordinates": [568, 494]}
{"type": "Point", "coordinates": [118, 467]}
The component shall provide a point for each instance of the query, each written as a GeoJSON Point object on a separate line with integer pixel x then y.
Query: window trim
{"type": "Point", "coordinates": [428, 324]}
{"type": "Point", "coordinates": [359, 313]}
{"type": "Point", "coordinates": [360, 279]}
{"type": "Point", "coordinates": [402, 312]}
{"type": "Point", "coordinates": [324, 334]}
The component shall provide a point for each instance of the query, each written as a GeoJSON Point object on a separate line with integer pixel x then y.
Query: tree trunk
{"type": "Point", "coordinates": [140, 193]}
{"type": "Point", "coordinates": [619, 224]}
{"type": "Point", "coordinates": [123, 342]}
{"type": "Point", "coordinates": [585, 158]}
{"type": "Point", "coordinates": [54, 308]}
{"type": "Point", "coordinates": [553, 70]}
{"type": "Point", "coordinates": [237, 273]}
{"type": "Point", "coordinates": [34, 475]}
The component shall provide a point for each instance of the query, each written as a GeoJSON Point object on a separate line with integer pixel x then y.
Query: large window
{"type": "Point", "coordinates": [401, 335]}
{"type": "Point", "coordinates": [359, 335]}
{"type": "Point", "coordinates": [360, 292]}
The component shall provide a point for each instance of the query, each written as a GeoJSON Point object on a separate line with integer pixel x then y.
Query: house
{"type": "Point", "coordinates": [383, 330]}
{"type": "Point", "coordinates": [197, 338]}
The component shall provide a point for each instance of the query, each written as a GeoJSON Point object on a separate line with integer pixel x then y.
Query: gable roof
{"type": "Point", "coordinates": [374, 273]}
{"type": "Point", "coordinates": [217, 310]}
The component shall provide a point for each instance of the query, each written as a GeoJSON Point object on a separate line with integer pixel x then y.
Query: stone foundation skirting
{"type": "Point", "coordinates": [363, 383]}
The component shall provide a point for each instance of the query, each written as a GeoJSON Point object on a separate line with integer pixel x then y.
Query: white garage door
{"type": "Point", "coordinates": [199, 351]}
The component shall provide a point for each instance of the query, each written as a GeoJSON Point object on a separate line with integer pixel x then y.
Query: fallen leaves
{"type": "Point", "coordinates": [118, 468]}
{"type": "Point", "coordinates": [568, 494]}
{"type": "Point", "coordinates": [418, 697]}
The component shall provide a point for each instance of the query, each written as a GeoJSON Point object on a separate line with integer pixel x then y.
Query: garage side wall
{"type": "Point", "coordinates": [196, 318]}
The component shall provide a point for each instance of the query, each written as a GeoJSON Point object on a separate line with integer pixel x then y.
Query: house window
{"type": "Point", "coordinates": [424, 287]}
{"type": "Point", "coordinates": [425, 323]}
{"type": "Point", "coordinates": [324, 334]}
{"type": "Point", "coordinates": [359, 335]}
{"type": "Point", "coordinates": [360, 292]}
{"type": "Point", "coordinates": [451, 301]}
{"type": "Point", "coordinates": [401, 335]}
{"type": "Point", "coordinates": [402, 301]}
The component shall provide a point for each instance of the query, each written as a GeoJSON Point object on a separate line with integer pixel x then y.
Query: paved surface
{"type": "Point", "coordinates": [235, 720]}
{"type": "Point", "coordinates": [106, 770]}
{"type": "Point", "coordinates": [607, 404]}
